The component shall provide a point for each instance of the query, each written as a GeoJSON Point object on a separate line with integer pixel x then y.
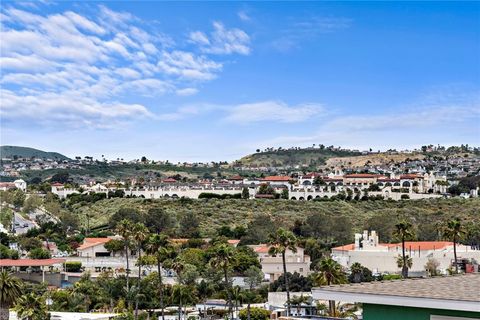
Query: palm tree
{"type": "Point", "coordinates": [124, 229]}
{"type": "Point", "coordinates": [403, 231]}
{"type": "Point", "coordinates": [454, 231]}
{"type": "Point", "coordinates": [223, 258]}
{"type": "Point", "coordinates": [237, 296]}
{"type": "Point", "coordinates": [338, 312]}
{"type": "Point", "coordinates": [10, 291]}
{"type": "Point", "coordinates": [357, 271]}
{"type": "Point", "coordinates": [31, 307]}
{"type": "Point", "coordinates": [158, 245]}
{"type": "Point", "coordinates": [280, 242]}
{"type": "Point", "coordinates": [298, 301]}
{"type": "Point", "coordinates": [140, 234]}
{"type": "Point", "coordinates": [401, 260]}
{"type": "Point", "coordinates": [329, 272]}
{"type": "Point", "coordinates": [182, 295]}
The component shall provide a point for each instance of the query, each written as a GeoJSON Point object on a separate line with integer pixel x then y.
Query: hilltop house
{"type": "Point", "coordinates": [94, 247]}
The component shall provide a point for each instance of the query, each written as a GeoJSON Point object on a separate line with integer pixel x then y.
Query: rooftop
{"type": "Point", "coordinates": [29, 262]}
{"type": "Point", "coordinates": [450, 293]}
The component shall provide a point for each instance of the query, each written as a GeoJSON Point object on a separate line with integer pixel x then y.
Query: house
{"type": "Point", "coordinates": [17, 184]}
{"type": "Point", "coordinates": [93, 247]}
{"type": "Point", "coordinates": [437, 298]}
{"type": "Point", "coordinates": [382, 257]}
{"type": "Point", "coordinates": [277, 180]}
{"type": "Point", "coordinates": [272, 265]}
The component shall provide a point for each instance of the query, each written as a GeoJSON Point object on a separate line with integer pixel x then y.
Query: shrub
{"type": "Point", "coordinates": [73, 266]}
{"type": "Point", "coordinates": [391, 277]}
{"type": "Point", "coordinates": [39, 253]}
{"type": "Point", "coordinates": [255, 314]}
{"type": "Point", "coordinates": [404, 197]}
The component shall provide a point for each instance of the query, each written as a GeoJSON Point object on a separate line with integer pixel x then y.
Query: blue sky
{"type": "Point", "coordinates": [200, 81]}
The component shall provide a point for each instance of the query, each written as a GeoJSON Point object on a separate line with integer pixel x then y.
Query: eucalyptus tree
{"type": "Point", "coordinates": [281, 241]}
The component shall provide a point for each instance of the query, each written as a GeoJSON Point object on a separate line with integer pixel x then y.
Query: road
{"type": "Point", "coordinates": [22, 225]}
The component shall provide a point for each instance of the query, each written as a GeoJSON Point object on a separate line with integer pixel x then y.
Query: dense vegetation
{"type": "Point", "coordinates": [292, 157]}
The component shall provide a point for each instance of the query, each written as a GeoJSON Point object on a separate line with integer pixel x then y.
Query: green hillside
{"type": "Point", "coordinates": [12, 152]}
{"type": "Point", "coordinates": [339, 217]}
{"type": "Point", "coordinates": [293, 157]}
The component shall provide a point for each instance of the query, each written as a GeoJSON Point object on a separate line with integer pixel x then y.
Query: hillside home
{"type": "Point", "coordinates": [93, 247]}
{"type": "Point", "coordinates": [272, 265]}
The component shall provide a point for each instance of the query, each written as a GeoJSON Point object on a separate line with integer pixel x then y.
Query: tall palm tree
{"type": "Point", "coordinates": [297, 301]}
{"type": "Point", "coordinates": [139, 234]}
{"type": "Point", "coordinates": [159, 246]}
{"type": "Point", "coordinates": [10, 291]}
{"type": "Point", "coordinates": [329, 272]}
{"type": "Point", "coordinates": [124, 229]}
{"type": "Point", "coordinates": [280, 242]}
{"type": "Point", "coordinates": [223, 257]}
{"type": "Point", "coordinates": [455, 231]}
{"type": "Point", "coordinates": [404, 231]}
{"type": "Point", "coordinates": [31, 307]}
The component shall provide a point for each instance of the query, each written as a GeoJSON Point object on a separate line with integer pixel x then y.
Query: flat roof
{"type": "Point", "coordinates": [460, 292]}
{"type": "Point", "coordinates": [30, 262]}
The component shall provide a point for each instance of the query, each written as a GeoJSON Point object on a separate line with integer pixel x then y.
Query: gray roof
{"type": "Point", "coordinates": [459, 288]}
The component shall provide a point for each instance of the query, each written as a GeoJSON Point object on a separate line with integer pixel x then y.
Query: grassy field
{"type": "Point", "coordinates": [426, 215]}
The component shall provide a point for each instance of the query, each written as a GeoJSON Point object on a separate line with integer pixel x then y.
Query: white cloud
{"type": "Point", "coordinates": [187, 65]}
{"type": "Point", "coordinates": [186, 91]}
{"type": "Point", "coordinates": [222, 40]}
{"type": "Point", "coordinates": [95, 62]}
{"type": "Point", "coordinates": [243, 15]}
{"type": "Point", "coordinates": [272, 111]}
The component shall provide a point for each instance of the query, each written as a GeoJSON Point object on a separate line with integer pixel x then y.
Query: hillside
{"type": "Point", "coordinates": [292, 157]}
{"type": "Point", "coordinates": [11, 152]}
{"type": "Point", "coordinates": [375, 159]}
{"type": "Point", "coordinates": [352, 216]}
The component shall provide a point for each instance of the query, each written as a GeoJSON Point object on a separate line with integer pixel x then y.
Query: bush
{"type": "Point", "coordinates": [73, 266]}
{"type": "Point", "coordinates": [210, 195]}
{"type": "Point", "coordinates": [255, 314]}
{"type": "Point", "coordinates": [39, 253]}
{"type": "Point", "coordinates": [391, 277]}
{"type": "Point", "coordinates": [404, 197]}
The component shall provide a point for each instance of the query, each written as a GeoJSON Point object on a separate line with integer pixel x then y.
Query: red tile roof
{"type": "Point", "coordinates": [414, 245]}
{"type": "Point", "coordinates": [30, 262]}
{"type": "Point", "coordinates": [277, 178]}
{"type": "Point", "coordinates": [262, 248]}
{"type": "Point", "coordinates": [236, 178]}
{"type": "Point", "coordinates": [169, 180]}
{"type": "Point", "coordinates": [91, 242]}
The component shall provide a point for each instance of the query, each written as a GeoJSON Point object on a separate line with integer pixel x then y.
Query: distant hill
{"type": "Point", "coordinates": [293, 157]}
{"type": "Point", "coordinates": [11, 152]}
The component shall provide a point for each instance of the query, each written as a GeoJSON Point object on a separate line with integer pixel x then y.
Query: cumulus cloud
{"type": "Point", "coordinates": [222, 40]}
{"type": "Point", "coordinates": [69, 65]}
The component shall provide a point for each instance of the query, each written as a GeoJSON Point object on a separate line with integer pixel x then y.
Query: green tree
{"type": "Point", "coordinates": [10, 292]}
{"type": "Point", "coordinates": [280, 242]}
{"type": "Point", "coordinates": [254, 314]}
{"type": "Point", "coordinates": [189, 224]}
{"type": "Point", "coordinates": [182, 295]}
{"type": "Point", "coordinates": [159, 246]}
{"type": "Point", "coordinates": [18, 198]}
{"type": "Point", "coordinates": [329, 272]}
{"type": "Point", "coordinates": [124, 229]}
{"type": "Point", "coordinates": [253, 277]}
{"type": "Point", "coordinates": [404, 231]}
{"type": "Point", "coordinates": [245, 193]}
{"type": "Point", "coordinates": [32, 307]}
{"type": "Point", "coordinates": [39, 253]}
{"type": "Point", "coordinates": [454, 231]}
{"type": "Point", "coordinates": [139, 235]}
{"type": "Point", "coordinates": [223, 258]}
{"type": "Point", "coordinates": [401, 261]}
